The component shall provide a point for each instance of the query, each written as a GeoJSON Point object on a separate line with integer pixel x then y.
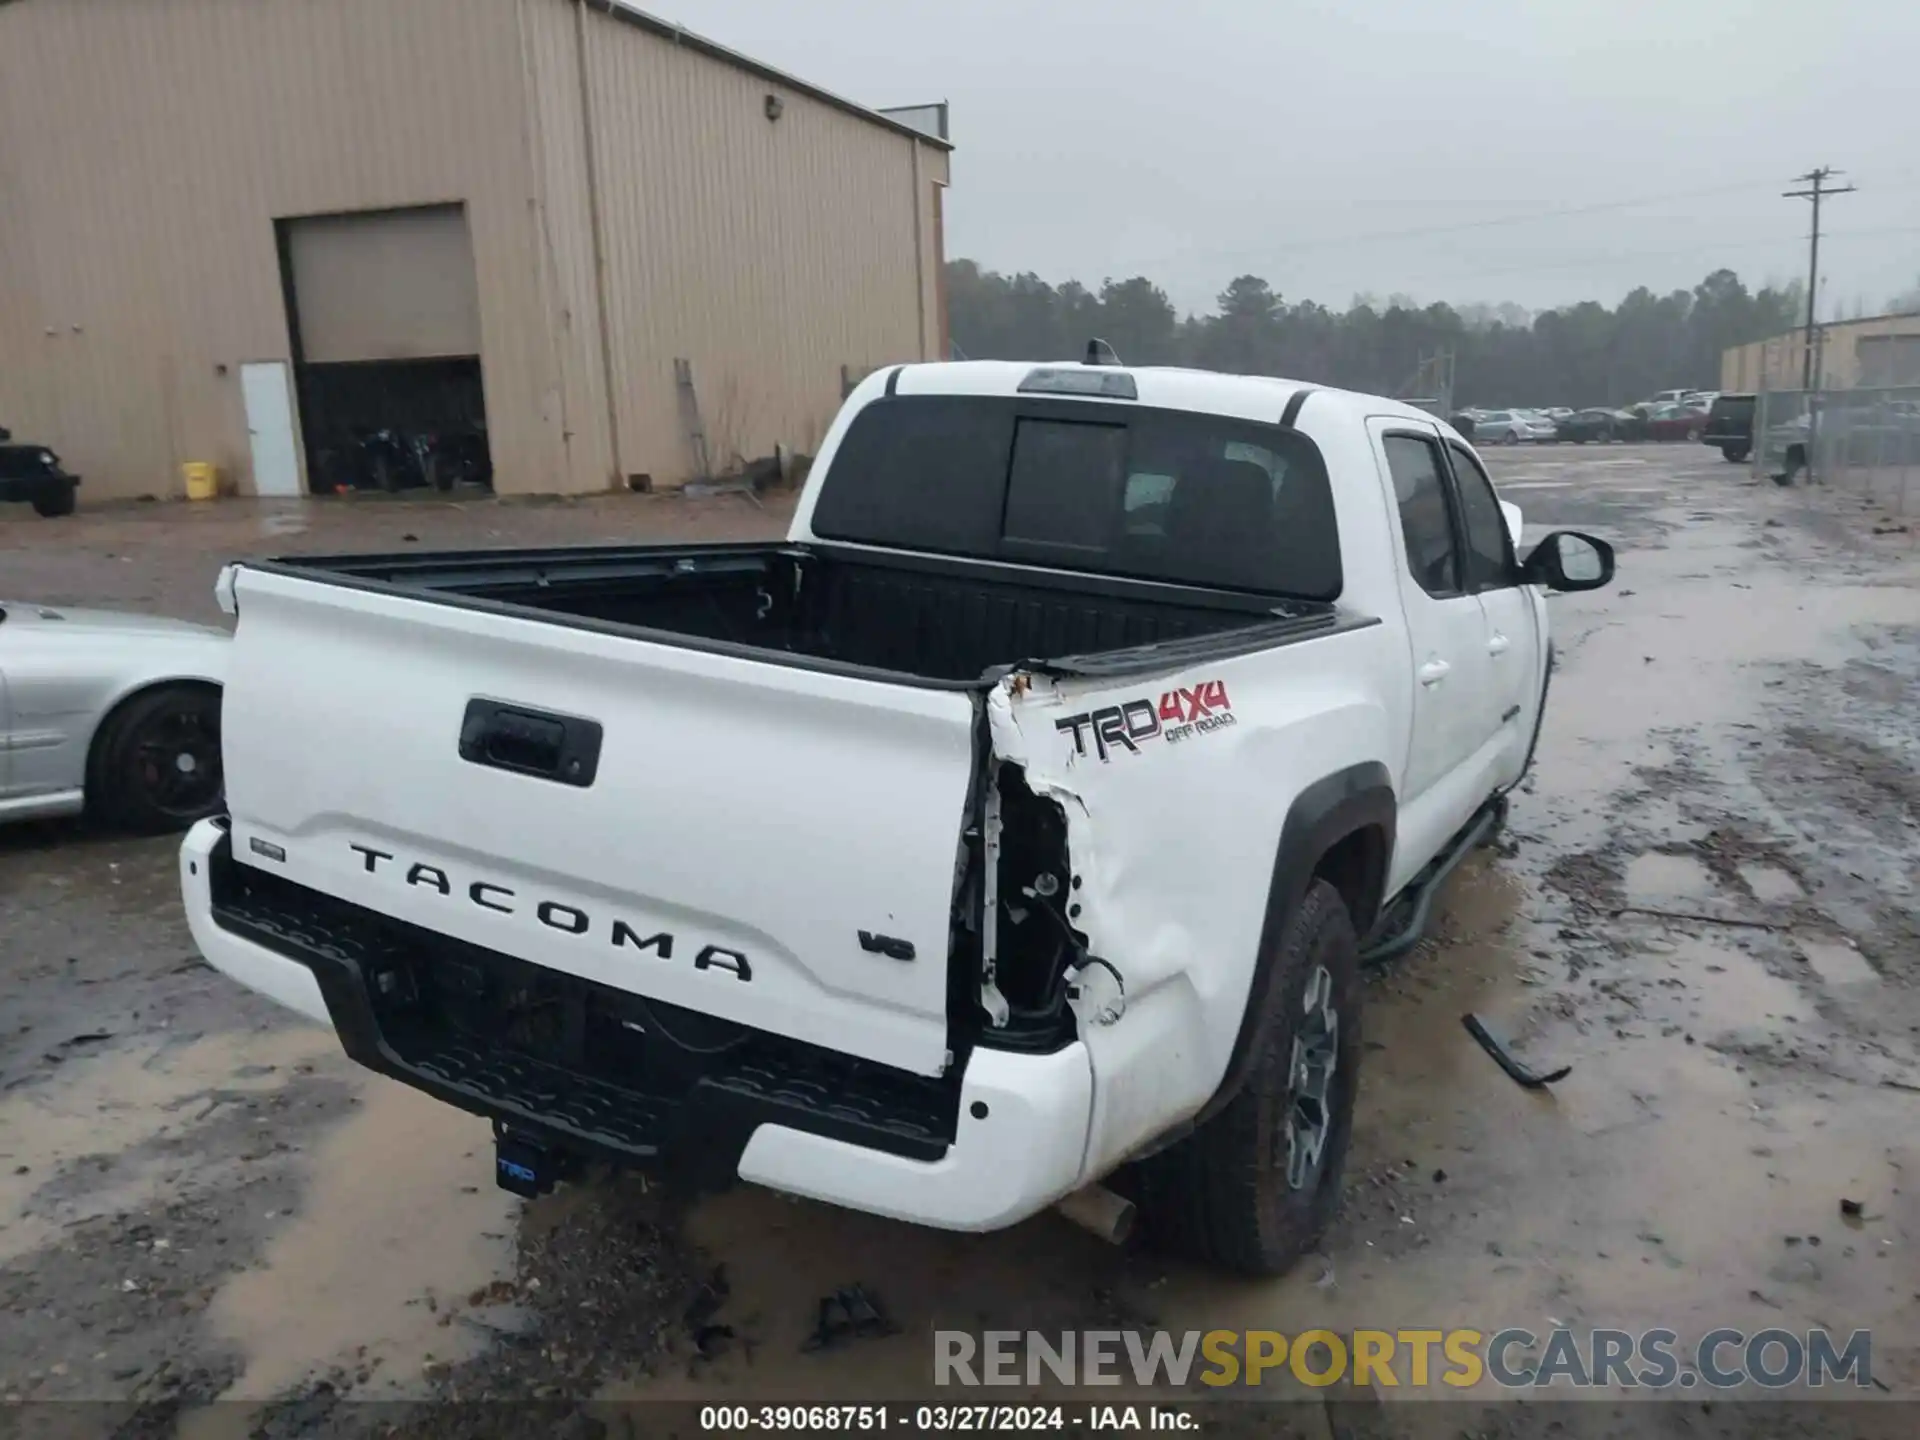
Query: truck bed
{"type": "Point", "coordinates": [903, 618]}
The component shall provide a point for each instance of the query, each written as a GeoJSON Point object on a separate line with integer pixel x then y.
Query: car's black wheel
{"type": "Point", "coordinates": [57, 501]}
{"type": "Point", "coordinates": [1255, 1186]}
{"type": "Point", "coordinates": [1734, 453]}
{"type": "Point", "coordinates": [156, 762]}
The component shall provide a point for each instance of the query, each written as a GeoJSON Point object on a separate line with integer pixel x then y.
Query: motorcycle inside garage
{"type": "Point", "coordinates": [384, 315]}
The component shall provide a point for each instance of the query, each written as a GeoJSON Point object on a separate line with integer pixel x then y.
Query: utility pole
{"type": "Point", "coordinates": [1817, 190]}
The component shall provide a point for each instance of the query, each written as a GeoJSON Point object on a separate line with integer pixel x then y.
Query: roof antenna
{"type": "Point", "coordinates": [1099, 352]}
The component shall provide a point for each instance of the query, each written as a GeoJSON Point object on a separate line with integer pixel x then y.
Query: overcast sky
{"type": "Point", "coordinates": [1194, 140]}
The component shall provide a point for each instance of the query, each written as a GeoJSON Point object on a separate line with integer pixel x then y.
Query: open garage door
{"type": "Point", "coordinates": [386, 314]}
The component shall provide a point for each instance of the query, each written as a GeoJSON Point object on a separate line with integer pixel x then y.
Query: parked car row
{"type": "Point", "coordinates": [1670, 415]}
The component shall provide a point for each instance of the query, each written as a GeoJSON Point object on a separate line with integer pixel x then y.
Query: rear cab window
{"type": "Point", "coordinates": [1122, 490]}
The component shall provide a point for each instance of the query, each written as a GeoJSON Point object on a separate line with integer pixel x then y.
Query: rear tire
{"type": "Point", "coordinates": [156, 761]}
{"type": "Point", "coordinates": [55, 502]}
{"type": "Point", "coordinates": [1224, 1194]}
{"type": "Point", "coordinates": [1734, 454]}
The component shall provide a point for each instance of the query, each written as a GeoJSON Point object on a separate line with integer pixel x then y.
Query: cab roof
{"type": "Point", "coordinates": [1248, 397]}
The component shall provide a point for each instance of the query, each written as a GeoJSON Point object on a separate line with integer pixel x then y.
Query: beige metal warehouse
{"type": "Point", "coordinates": [219, 218]}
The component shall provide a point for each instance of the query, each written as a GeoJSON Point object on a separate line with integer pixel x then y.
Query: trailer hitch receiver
{"type": "Point", "coordinates": [528, 1167]}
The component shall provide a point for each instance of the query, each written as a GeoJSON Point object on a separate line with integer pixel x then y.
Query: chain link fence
{"type": "Point", "coordinates": [1866, 440]}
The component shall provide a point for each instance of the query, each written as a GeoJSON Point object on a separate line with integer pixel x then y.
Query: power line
{"type": "Point", "coordinates": [1816, 179]}
{"type": "Point", "coordinates": [1493, 221]}
{"type": "Point", "coordinates": [1614, 257]}
{"type": "Point", "coordinates": [1463, 226]}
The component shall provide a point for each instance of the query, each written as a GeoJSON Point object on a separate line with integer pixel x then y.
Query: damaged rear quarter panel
{"type": "Point", "coordinates": [1173, 828]}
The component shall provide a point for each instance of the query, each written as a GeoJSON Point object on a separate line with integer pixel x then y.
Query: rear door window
{"type": "Point", "coordinates": [1120, 490]}
{"type": "Point", "coordinates": [1426, 517]}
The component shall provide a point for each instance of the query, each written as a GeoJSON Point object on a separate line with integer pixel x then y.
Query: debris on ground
{"type": "Point", "coordinates": [711, 1341]}
{"type": "Point", "coordinates": [1694, 917]}
{"type": "Point", "coordinates": [1517, 1072]}
{"type": "Point", "coordinates": [849, 1313]}
{"type": "Point", "coordinates": [707, 1300]}
{"type": "Point", "coordinates": [1852, 1209]}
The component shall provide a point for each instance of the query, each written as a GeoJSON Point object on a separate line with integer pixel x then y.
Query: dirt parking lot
{"type": "Point", "coordinates": [1703, 903]}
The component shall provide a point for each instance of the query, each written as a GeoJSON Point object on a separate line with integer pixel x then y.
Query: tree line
{"type": "Point", "coordinates": [1578, 355]}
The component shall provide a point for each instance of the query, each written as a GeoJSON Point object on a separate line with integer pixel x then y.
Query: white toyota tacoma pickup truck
{"type": "Point", "coordinates": [1021, 820]}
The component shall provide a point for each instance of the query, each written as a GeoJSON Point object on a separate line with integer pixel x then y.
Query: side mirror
{"type": "Point", "coordinates": [1569, 560]}
{"type": "Point", "coordinates": [1510, 512]}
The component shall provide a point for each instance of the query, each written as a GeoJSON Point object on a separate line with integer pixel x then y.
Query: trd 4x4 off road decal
{"type": "Point", "coordinates": [1179, 715]}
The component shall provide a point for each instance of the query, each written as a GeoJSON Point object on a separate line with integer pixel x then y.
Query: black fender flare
{"type": "Point", "coordinates": [1321, 816]}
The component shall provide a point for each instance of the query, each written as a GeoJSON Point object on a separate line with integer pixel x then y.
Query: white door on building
{"type": "Point", "coordinates": [276, 460]}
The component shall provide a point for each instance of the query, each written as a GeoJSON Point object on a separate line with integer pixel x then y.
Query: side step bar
{"type": "Point", "coordinates": [1417, 901]}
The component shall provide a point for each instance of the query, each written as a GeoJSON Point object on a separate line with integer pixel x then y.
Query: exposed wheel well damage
{"type": "Point", "coordinates": [1340, 828]}
{"type": "Point", "coordinates": [1356, 866]}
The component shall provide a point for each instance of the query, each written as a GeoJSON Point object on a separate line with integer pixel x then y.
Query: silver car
{"type": "Point", "coordinates": [117, 716]}
{"type": "Point", "coordinates": [1510, 427]}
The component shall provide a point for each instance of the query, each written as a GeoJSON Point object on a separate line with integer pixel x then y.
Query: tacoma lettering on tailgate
{"type": "Point", "coordinates": [558, 915]}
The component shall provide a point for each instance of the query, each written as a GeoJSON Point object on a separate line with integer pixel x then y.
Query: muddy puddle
{"type": "Point", "coordinates": [92, 1140]}
{"type": "Point", "coordinates": [400, 1221]}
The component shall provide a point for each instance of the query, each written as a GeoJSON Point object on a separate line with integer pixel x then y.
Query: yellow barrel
{"type": "Point", "coordinates": [203, 480]}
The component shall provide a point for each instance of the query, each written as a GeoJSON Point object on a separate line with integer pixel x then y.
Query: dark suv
{"type": "Point", "coordinates": [1729, 426]}
{"type": "Point", "coordinates": [31, 474]}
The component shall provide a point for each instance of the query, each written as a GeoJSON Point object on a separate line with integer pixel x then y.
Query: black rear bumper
{"type": "Point", "coordinates": [579, 1065]}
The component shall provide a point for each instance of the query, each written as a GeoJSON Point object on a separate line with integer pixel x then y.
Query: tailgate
{"type": "Point", "coordinates": [741, 825]}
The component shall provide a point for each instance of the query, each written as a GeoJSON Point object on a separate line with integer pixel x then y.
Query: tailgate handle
{"type": "Point", "coordinates": [531, 742]}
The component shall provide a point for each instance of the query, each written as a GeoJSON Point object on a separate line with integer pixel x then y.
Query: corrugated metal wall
{"type": "Point", "coordinates": [1778, 363]}
{"type": "Point", "coordinates": [565, 235]}
{"type": "Point", "coordinates": [147, 147]}
{"type": "Point", "coordinates": [768, 253]}
{"type": "Point", "coordinates": [151, 143]}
